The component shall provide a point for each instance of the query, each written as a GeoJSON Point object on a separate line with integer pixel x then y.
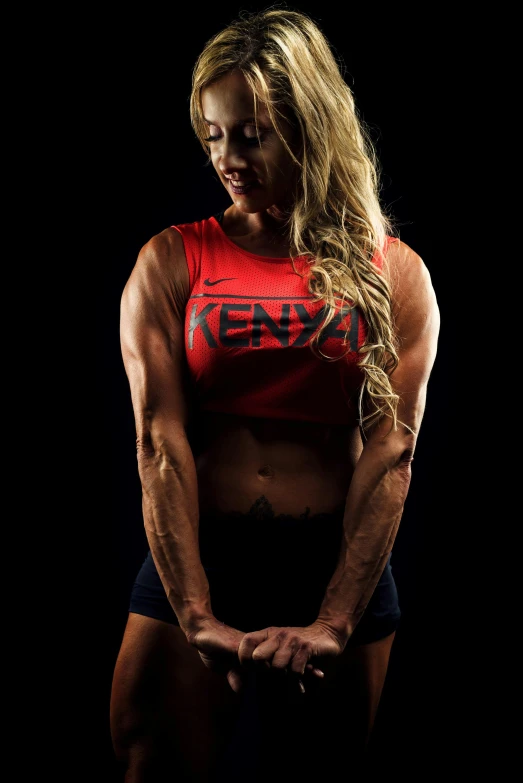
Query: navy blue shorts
{"type": "Point", "coordinates": [270, 572]}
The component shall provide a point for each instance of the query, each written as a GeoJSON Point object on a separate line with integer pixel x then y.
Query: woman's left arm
{"type": "Point", "coordinates": [382, 476]}
{"type": "Point", "coordinates": [379, 485]}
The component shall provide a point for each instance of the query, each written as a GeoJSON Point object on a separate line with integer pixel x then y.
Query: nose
{"type": "Point", "coordinates": [230, 158]}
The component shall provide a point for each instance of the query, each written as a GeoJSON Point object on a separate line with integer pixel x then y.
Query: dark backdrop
{"type": "Point", "coordinates": [407, 79]}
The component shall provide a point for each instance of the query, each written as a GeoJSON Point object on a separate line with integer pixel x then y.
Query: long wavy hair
{"type": "Point", "coordinates": [337, 221]}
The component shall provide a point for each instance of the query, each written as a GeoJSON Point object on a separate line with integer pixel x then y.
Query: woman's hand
{"type": "Point", "coordinates": [218, 645]}
{"type": "Point", "coordinates": [293, 649]}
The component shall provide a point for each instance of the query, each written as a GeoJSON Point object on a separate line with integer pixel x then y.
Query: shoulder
{"type": "Point", "coordinates": [413, 298]}
{"type": "Point", "coordinates": [402, 265]}
{"type": "Point", "coordinates": [163, 254]}
{"type": "Point", "coordinates": [161, 265]}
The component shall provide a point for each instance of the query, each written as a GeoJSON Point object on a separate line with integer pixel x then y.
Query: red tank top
{"type": "Point", "coordinates": [248, 323]}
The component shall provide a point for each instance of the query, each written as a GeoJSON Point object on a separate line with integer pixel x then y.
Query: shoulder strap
{"type": "Point", "coordinates": [192, 241]}
{"type": "Point", "coordinates": [379, 257]}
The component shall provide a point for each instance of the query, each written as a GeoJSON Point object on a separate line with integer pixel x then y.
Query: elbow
{"type": "Point", "coordinates": [398, 450]}
{"type": "Point", "coordinates": [401, 454]}
{"type": "Point", "coordinates": [144, 446]}
{"type": "Point", "coordinates": [394, 448]}
{"type": "Point", "coordinates": [403, 467]}
{"type": "Point", "coordinates": [402, 464]}
{"type": "Point", "coordinates": [406, 456]}
{"type": "Point", "coordinates": [166, 450]}
{"type": "Point", "coordinates": [148, 455]}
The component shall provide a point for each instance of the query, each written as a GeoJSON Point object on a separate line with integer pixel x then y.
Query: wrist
{"type": "Point", "coordinates": [192, 617]}
{"type": "Point", "coordinates": [340, 628]}
{"type": "Point", "coordinates": [191, 626]}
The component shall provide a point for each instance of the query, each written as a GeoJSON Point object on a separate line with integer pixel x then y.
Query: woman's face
{"type": "Point", "coordinates": [258, 175]}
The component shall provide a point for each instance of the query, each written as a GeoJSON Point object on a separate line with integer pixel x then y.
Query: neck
{"type": "Point", "coordinates": [270, 223]}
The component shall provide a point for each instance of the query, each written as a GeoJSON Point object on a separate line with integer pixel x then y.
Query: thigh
{"type": "Point", "coordinates": [354, 690]}
{"type": "Point", "coordinates": [169, 714]}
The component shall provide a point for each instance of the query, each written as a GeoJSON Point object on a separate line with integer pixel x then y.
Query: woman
{"type": "Point", "coordinates": [278, 356]}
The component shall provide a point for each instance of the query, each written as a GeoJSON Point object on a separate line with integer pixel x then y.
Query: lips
{"type": "Point", "coordinates": [241, 186]}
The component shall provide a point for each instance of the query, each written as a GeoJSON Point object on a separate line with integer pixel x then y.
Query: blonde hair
{"type": "Point", "coordinates": [337, 221]}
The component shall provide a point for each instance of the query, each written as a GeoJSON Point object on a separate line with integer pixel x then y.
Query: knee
{"type": "Point", "coordinates": [135, 753]}
{"type": "Point", "coordinates": [128, 729]}
{"type": "Point", "coordinates": [136, 763]}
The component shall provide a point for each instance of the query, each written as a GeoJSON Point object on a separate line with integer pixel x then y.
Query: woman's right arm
{"type": "Point", "coordinates": [152, 342]}
{"type": "Point", "coordinates": [153, 350]}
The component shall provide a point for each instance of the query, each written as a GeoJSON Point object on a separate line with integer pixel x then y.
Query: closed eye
{"type": "Point", "coordinates": [250, 141]}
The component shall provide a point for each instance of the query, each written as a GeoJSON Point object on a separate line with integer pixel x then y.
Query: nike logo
{"type": "Point", "coordinates": [215, 282]}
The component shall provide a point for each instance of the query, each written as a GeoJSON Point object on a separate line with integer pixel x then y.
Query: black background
{"type": "Point", "coordinates": [409, 79]}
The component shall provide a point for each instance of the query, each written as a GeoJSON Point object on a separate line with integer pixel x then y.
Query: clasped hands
{"type": "Point", "coordinates": [298, 651]}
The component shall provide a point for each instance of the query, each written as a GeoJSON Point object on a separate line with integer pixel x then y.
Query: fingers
{"type": "Point", "coordinates": [301, 658]}
{"type": "Point", "coordinates": [281, 650]}
{"type": "Point", "coordinates": [249, 643]}
{"type": "Point", "coordinates": [267, 651]}
{"type": "Point", "coordinates": [286, 653]}
{"type": "Point", "coordinates": [274, 650]}
{"type": "Point", "coordinates": [313, 670]}
{"type": "Point", "coordinates": [235, 680]}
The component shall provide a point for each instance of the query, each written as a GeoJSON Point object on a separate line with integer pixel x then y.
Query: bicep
{"type": "Point", "coordinates": [152, 343]}
{"type": "Point", "coordinates": [417, 325]}
{"type": "Point", "coordinates": [417, 322]}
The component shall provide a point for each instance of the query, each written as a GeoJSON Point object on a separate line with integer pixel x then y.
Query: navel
{"type": "Point", "coordinates": [266, 472]}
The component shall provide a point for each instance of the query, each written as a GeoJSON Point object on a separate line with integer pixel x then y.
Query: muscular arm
{"type": "Point", "coordinates": [381, 480]}
{"type": "Point", "coordinates": [378, 488]}
{"type": "Point", "coordinates": [152, 341]}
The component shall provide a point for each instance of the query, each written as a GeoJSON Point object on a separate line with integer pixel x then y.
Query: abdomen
{"type": "Point", "coordinates": [249, 465]}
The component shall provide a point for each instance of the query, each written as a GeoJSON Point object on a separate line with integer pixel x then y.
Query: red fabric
{"type": "Point", "coordinates": [247, 338]}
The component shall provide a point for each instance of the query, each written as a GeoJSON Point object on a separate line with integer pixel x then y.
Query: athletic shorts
{"type": "Point", "coordinates": [270, 572]}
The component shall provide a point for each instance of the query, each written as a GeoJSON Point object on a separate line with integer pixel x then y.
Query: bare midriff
{"type": "Point", "coordinates": [295, 467]}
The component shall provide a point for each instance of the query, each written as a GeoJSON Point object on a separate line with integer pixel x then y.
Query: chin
{"type": "Point", "coordinates": [251, 205]}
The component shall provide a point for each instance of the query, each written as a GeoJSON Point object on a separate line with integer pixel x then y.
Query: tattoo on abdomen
{"type": "Point", "coordinates": [229, 537]}
{"type": "Point", "coordinates": [262, 511]}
